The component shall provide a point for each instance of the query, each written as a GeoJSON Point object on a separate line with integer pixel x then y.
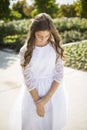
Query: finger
{"type": "Point", "coordinates": [40, 113]}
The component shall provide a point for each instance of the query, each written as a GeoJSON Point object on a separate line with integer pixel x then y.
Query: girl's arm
{"type": "Point", "coordinates": [59, 67]}
{"type": "Point", "coordinates": [39, 107]}
{"type": "Point", "coordinates": [27, 74]}
{"type": "Point", "coordinates": [50, 93]}
{"type": "Point", "coordinates": [34, 94]}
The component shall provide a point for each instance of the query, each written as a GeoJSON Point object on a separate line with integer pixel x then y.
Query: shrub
{"type": "Point", "coordinates": [65, 24]}
{"type": "Point", "coordinates": [76, 55]}
{"type": "Point", "coordinates": [70, 29]}
{"type": "Point", "coordinates": [73, 36]}
{"type": "Point", "coordinates": [14, 42]}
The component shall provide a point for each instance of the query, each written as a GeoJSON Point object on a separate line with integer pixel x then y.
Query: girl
{"type": "Point", "coordinates": [44, 104]}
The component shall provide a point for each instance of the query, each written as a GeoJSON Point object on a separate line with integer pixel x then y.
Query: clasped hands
{"type": "Point", "coordinates": [40, 104]}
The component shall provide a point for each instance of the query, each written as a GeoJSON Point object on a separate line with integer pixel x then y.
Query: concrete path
{"type": "Point", "coordinates": [76, 86]}
{"type": "Point", "coordinates": [10, 84]}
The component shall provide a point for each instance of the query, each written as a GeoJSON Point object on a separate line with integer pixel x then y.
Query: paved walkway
{"type": "Point", "coordinates": [10, 84]}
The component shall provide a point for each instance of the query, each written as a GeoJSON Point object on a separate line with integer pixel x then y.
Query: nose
{"type": "Point", "coordinates": [42, 38]}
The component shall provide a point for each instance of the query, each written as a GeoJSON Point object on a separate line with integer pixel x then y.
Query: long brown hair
{"type": "Point", "coordinates": [42, 22]}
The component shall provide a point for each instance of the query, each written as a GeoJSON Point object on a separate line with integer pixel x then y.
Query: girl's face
{"type": "Point", "coordinates": [41, 37]}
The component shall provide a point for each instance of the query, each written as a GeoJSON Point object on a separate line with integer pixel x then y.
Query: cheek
{"type": "Point", "coordinates": [46, 39]}
{"type": "Point", "coordinates": [37, 38]}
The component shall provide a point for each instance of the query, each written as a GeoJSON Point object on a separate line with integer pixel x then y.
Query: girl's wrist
{"type": "Point", "coordinates": [41, 102]}
{"type": "Point", "coordinates": [47, 98]}
{"type": "Point", "coordinates": [44, 99]}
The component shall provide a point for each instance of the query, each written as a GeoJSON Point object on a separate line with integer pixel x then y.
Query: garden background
{"type": "Point", "coordinates": [71, 22]}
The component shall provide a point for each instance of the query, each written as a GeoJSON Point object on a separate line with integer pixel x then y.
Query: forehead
{"type": "Point", "coordinates": [41, 33]}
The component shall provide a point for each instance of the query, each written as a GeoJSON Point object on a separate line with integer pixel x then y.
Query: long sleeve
{"type": "Point", "coordinates": [27, 74]}
{"type": "Point", "coordinates": [59, 70]}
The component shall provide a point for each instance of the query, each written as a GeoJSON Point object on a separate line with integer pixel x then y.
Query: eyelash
{"type": "Point", "coordinates": [41, 36]}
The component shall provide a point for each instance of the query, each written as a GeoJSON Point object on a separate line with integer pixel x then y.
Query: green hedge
{"type": "Point", "coordinates": [65, 24]}
{"type": "Point", "coordinates": [14, 42]}
{"type": "Point", "coordinates": [14, 27]}
{"type": "Point", "coordinates": [22, 26]}
{"type": "Point", "coordinates": [73, 36]}
{"type": "Point", "coordinates": [76, 55]}
{"type": "Point", "coordinates": [13, 34]}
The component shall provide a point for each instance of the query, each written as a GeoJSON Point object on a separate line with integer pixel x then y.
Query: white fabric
{"type": "Point", "coordinates": [40, 73]}
{"type": "Point", "coordinates": [28, 72]}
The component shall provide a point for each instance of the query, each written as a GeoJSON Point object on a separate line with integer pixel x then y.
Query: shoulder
{"type": "Point", "coordinates": [23, 49]}
{"type": "Point", "coordinates": [52, 46]}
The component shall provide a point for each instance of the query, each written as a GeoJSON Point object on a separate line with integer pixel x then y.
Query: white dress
{"type": "Point", "coordinates": [40, 73]}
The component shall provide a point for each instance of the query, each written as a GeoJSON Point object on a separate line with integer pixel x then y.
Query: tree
{"type": "Point", "coordinates": [78, 8]}
{"type": "Point", "coordinates": [67, 11]}
{"type": "Point", "coordinates": [4, 9]}
{"type": "Point", "coordinates": [19, 7]}
{"type": "Point", "coordinates": [28, 10]}
{"type": "Point", "coordinates": [23, 8]}
{"type": "Point", "coordinates": [47, 6]}
{"type": "Point", "coordinates": [14, 15]}
{"type": "Point", "coordinates": [81, 8]}
{"type": "Point", "coordinates": [84, 8]}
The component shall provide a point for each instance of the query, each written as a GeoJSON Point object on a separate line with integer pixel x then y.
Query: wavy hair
{"type": "Point", "coordinates": [42, 22]}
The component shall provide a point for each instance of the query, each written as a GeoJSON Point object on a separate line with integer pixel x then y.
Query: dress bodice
{"type": "Point", "coordinates": [43, 61]}
{"type": "Point", "coordinates": [43, 64]}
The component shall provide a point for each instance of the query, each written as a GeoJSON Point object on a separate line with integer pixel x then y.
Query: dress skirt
{"type": "Point", "coordinates": [55, 109]}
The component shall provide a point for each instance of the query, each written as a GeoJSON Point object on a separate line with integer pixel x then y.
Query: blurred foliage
{"type": "Point", "coordinates": [66, 11]}
{"type": "Point", "coordinates": [14, 42]}
{"type": "Point", "coordinates": [73, 36]}
{"type": "Point", "coordinates": [19, 7]}
{"type": "Point", "coordinates": [4, 9]}
{"type": "Point", "coordinates": [47, 6]}
{"type": "Point", "coordinates": [76, 55]}
{"type": "Point", "coordinates": [23, 8]}
{"type": "Point", "coordinates": [64, 24]}
{"type": "Point", "coordinates": [84, 8]}
{"type": "Point", "coordinates": [78, 8]}
{"type": "Point", "coordinates": [81, 8]}
{"type": "Point", "coordinates": [19, 27]}
{"type": "Point", "coordinates": [15, 15]}
{"type": "Point", "coordinates": [70, 29]}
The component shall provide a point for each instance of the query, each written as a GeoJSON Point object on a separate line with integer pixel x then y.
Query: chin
{"type": "Point", "coordinates": [43, 42]}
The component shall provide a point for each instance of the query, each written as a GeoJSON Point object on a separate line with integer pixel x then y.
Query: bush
{"type": "Point", "coordinates": [73, 36]}
{"type": "Point", "coordinates": [14, 42]}
{"type": "Point", "coordinates": [15, 27]}
{"type": "Point", "coordinates": [65, 24]}
{"type": "Point", "coordinates": [70, 29]}
{"type": "Point", "coordinates": [76, 55]}
{"type": "Point", "coordinates": [11, 29]}
{"type": "Point", "coordinates": [15, 15]}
